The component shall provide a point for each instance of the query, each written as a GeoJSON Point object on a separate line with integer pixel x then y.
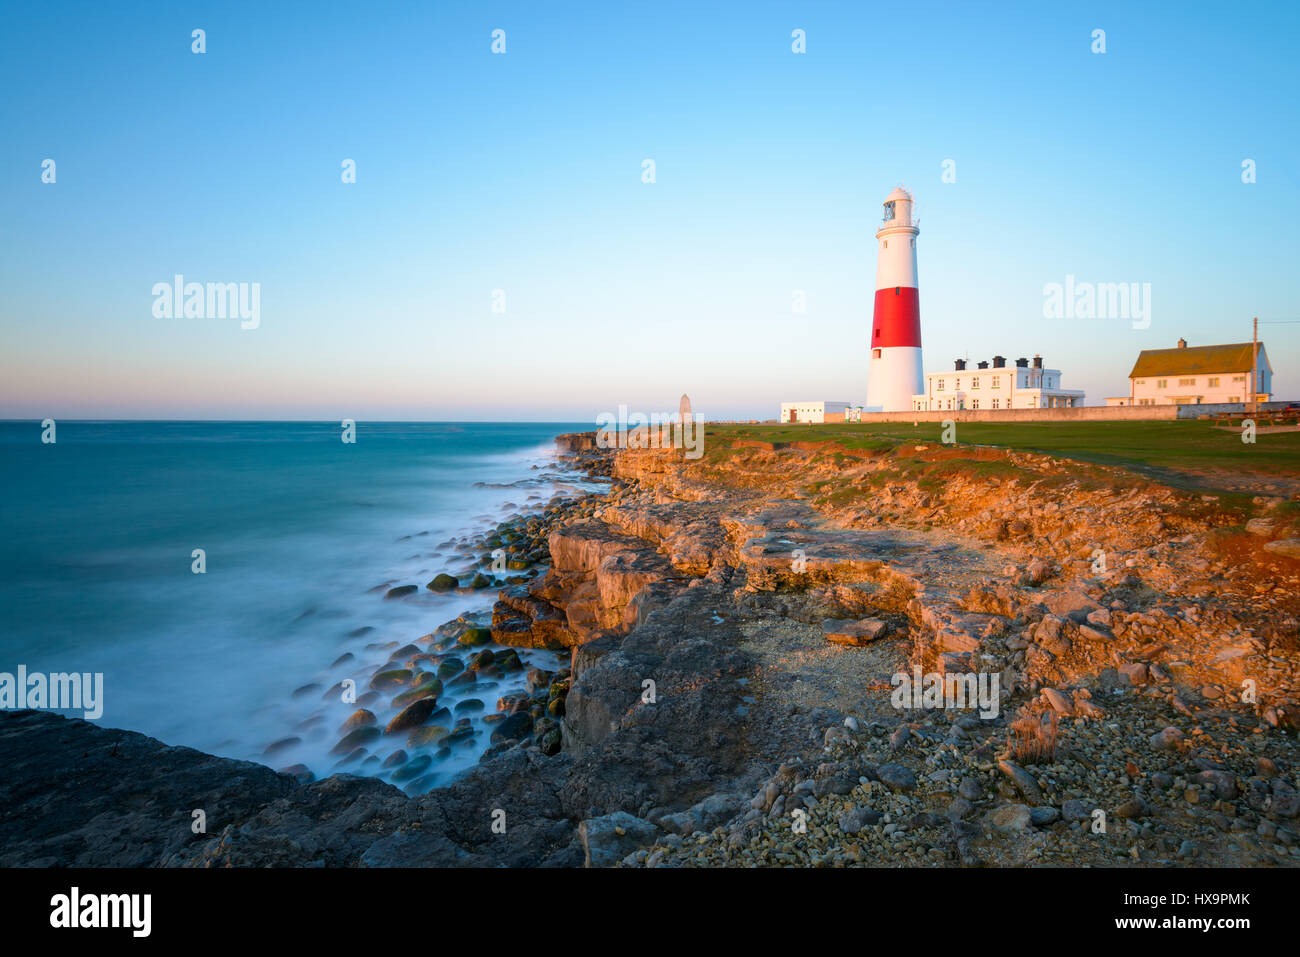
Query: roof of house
{"type": "Point", "coordinates": [1194, 360]}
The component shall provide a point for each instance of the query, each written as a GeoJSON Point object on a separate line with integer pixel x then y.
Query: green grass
{"type": "Point", "coordinates": [1178, 445]}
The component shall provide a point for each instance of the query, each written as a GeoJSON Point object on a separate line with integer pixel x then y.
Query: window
{"type": "Point", "coordinates": [975, 382]}
{"type": "Point", "coordinates": [875, 353]}
{"type": "Point", "coordinates": [1191, 381]}
{"type": "Point", "coordinates": [1213, 382]}
{"type": "Point", "coordinates": [957, 385]}
{"type": "Point", "coordinates": [995, 381]}
{"type": "Point", "coordinates": [1162, 383]}
{"type": "Point", "coordinates": [1239, 378]}
{"type": "Point", "coordinates": [940, 385]}
{"type": "Point", "coordinates": [995, 401]}
{"type": "Point", "coordinates": [974, 403]}
{"type": "Point", "coordinates": [1234, 398]}
{"type": "Point", "coordinates": [1141, 381]}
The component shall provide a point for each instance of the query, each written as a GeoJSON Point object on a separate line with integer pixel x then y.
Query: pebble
{"type": "Point", "coordinates": [1010, 818]}
{"type": "Point", "coordinates": [1166, 740]}
{"type": "Point", "coordinates": [854, 820]}
{"type": "Point", "coordinates": [1133, 808]}
{"type": "Point", "coordinates": [1044, 816]}
{"type": "Point", "coordinates": [1024, 781]}
{"type": "Point", "coordinates": [1076, 810]}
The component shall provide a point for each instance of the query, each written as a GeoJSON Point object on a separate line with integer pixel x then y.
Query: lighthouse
{"type": "Point", "coordinates": [894, 372]}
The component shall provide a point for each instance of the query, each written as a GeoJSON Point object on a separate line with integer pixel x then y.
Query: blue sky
{"type": "Point", "coordinates": [523, 172]}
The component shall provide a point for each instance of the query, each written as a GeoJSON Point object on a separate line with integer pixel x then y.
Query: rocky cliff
{"type": "Point", "coordinates": [737, 625]}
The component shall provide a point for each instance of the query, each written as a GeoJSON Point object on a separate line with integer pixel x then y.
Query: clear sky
{"type": "Point", "coordinates": [523, 172]}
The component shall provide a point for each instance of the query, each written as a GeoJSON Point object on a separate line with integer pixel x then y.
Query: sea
{"type": "Point", "coordinates": [226, 577]}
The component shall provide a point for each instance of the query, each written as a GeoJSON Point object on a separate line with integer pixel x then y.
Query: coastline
{"type": "Point", "coordinates": [427, 708]}
{"type": "Point", "coordinates": [764, 702]}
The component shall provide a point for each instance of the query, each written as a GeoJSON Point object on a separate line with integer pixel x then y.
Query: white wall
{"type": "Point", "coordinates": [811, 411]}
{"type": "Point", "coordinates": [1230, 387]}
{"type": "Point", "coordinates": [1010, 391]}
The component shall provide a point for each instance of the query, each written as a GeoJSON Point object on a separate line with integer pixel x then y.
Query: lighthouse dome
{"type": "Point", "coordinates": [898, 210]}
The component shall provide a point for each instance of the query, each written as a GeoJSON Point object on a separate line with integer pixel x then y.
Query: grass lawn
{"type": "Point", "coordinates": [1175, 444]}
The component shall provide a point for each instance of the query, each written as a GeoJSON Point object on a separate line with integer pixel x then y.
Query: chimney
{"type": "Point", "coordinates": [999, 362]}
{"type": "Point", "coordinates": [1022, 363]}
{"type": "Point", "coordinates": [1182, 343]}
{"type": "Point", "coordinates": [1038, 362]}
{"type": "Point", "coordinates": [984, 365]}
{"type": "Point", "coordinates": [959, 364]}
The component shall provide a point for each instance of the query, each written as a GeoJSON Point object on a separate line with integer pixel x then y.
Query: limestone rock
{"type": "Point", "coordinates": [608, 839]}
{"type": "Point", "coordinates": [861, 632]}
{"type": "Point", "coordinates": [1287, 547]}
{"type": "Point", "coordinates": [1010, 818]}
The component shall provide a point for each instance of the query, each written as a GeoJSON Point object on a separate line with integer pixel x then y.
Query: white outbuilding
{"type": "Point", "coordinates": [813, 411]}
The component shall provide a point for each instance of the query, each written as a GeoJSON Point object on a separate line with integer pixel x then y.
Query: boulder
{"type": "Point", "coordinates": [1261, 526]}
{"type": "Point", "coordinates": [1058, 701]}
{"type": "Point", "coordinates": [412, 716]}
{"type": "Point", "coordinates": [704, 816]}
{"type": "Point", "coordinates": [608, 839]}
{"type": "Point", "coordinates": [360, 718]}
{"type": "Point", "coordinates": [513, 727]}
{"type": "Point", "coordinates": [1287, 547]}
{"type": "Point", "coordinates": [848, 632]}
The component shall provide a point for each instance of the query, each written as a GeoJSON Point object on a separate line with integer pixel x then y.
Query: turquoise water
{"type": "Point", "coordinates": [300, 530]}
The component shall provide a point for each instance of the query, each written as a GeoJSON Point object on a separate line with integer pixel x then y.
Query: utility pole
{"type": "Point", "coordinates": [1254, 367]}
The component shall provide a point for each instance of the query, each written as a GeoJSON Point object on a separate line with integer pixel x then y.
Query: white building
{"type": "Point", "coordinates": [813, 411]}
{"type": "Point", "coordinates": [995, 386]}
{"type": "Point", "coordinates": [1197, 375]}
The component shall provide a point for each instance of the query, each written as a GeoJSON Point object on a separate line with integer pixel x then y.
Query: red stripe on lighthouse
{"type": "Point", "coordinates": [897, 320]}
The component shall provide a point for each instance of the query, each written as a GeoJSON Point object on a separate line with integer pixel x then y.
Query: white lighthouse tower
{"type": "Point", "coordinates": [894, 371]}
